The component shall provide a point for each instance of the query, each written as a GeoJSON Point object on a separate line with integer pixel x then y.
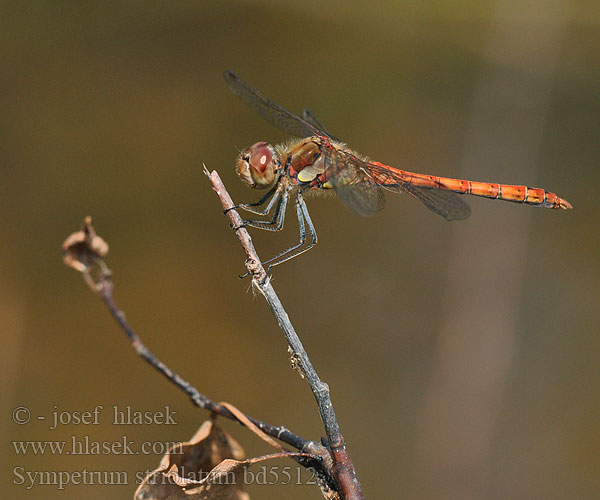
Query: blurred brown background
{"type": "Point", "coordinates": [462, 357]}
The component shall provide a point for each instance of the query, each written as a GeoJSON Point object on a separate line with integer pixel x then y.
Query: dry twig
{"type": "Point", "coordinates": [343, 469]}
{"type": "Point", "coordinates": [84, 251]}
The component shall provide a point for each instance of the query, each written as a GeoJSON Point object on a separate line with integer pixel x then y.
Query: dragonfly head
{"type": "Point", "coordinates": [257, 166]}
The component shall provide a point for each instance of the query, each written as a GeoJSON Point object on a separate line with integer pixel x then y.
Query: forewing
{"type": "Point", "coordinates": [270, 110]}
{"type": "Point", "coordinates": [352, 184]}
{"type": "Point", "coordinates": [313, 120]}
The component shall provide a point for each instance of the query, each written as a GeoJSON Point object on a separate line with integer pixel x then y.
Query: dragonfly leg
{"type": "Point", "coordinates": [273, 193]}
{"type": "Point", "coordinates": [300, 247]}
{"type": "Point", "coordinates": [275, 224]}
{"type": "Point", "coordinates": [290, 253]}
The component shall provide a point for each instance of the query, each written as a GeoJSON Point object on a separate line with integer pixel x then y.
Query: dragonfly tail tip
{"type": "Point", "coordinates": [564, 205]}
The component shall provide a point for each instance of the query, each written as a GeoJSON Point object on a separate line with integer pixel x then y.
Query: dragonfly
{"type": "Point", "coordinates": [318, 161]}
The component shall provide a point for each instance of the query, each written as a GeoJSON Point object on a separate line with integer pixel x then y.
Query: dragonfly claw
{"type": "Point", "coordinates": [242, 276]}
{"type": "Point", "coordinates": [227, 210]}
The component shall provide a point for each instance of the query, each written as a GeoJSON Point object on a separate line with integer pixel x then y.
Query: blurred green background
{"type": "Point", "coordinates": [462, 357]}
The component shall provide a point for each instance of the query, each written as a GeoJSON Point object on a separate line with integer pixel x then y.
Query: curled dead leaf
{"type": "Point", "coordinates": [191, 464]}
{"type": "Point", "coordinates": [223, 482]}
{"type": "Point", "coordinates": [83, 249]}
{"type": "Point", "coordinates": [209, 467]}
{"type": "Point", "coordinates": [250, 425]}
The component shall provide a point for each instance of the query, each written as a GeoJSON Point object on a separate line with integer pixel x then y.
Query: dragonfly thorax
{"type": "Point", "coordinates": [257, 166]}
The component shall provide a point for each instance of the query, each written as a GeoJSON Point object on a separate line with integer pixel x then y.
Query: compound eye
{"type": "Point", "coordinates": [260, 156]}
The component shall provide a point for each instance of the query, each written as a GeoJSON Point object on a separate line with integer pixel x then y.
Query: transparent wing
{"type": "Point", "coordinates": [445, 203]}
{"type": "Point", "coordinates": [313, 120]}
{"type": "Point", "coordinates": [448, 204]}
{"type": "Point", "coordinates": [356, 182]}
{"type": "Point", "coordinates": [352, 184]}
{"type": "Point", "coordinates": [270, 110]}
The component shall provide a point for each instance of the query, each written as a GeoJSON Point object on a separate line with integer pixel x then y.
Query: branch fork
{"type": "Point", "coordinates": [84, 251]}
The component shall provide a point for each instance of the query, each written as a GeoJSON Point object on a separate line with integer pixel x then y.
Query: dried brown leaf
{"type": "Point", "coordinates": [84, 249]}
{"type": "Point", "coordinates": [250, 425]}
{"type": "Point", "coordinates": [225, 480]}
{"type": "Point", "coordinates": [209, 467]}
{"type": "Point", "coordinates": [190, 463]}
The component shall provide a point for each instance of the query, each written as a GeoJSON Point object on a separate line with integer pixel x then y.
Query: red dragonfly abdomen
{"type": "Point", "coordinates": [517, 194]}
